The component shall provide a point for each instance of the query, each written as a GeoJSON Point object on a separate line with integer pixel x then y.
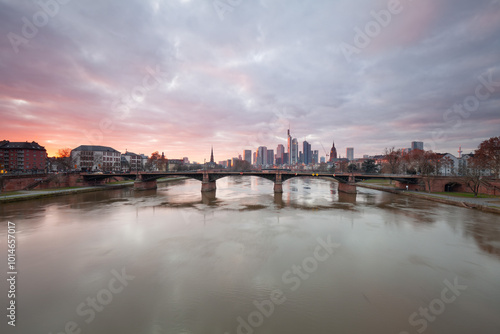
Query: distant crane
{"type": "Point", "coordinates": [326, 153]}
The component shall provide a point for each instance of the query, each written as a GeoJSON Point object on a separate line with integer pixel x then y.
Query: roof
{"type": "Point", "coordinates": [21, 145]}
{"type": "Point", "coordinates": [95, 148]}
{"type": "Point", "coordinates": [130, 153]}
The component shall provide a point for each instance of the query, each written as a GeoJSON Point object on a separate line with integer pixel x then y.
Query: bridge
{"type": "Point", "coordinates": [208, 178]}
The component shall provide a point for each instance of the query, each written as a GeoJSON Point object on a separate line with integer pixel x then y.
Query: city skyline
{"type": "Point", "coordinates": [176, 77]}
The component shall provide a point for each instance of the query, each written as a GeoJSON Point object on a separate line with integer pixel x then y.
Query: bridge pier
{"type": "Point", "coordinates": [140, 184]}
{"type": "Point", "coordinates": [207, 184]}
{"type": "Point", "coordinates": [278, 184]}
{"type": "Point", "coordinates": [348, 187]}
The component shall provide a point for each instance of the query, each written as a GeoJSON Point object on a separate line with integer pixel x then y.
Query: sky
{"type": "Point", "coordinates": [179, 76]}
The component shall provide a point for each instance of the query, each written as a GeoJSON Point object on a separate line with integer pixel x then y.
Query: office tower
{"type": "Point", "coordinates": [280, 152]}
{"type": "Point", "coordinates": [350, 153]}
{"type": "Point", "coordinates": [306, 149]}
{"type": "Point", "coordinates": [262, 156]}
{"type": "Point", "coordinates": [417, 145]}
{"type": "Point", "coordinates": [285, 158]}
{"type": "Point", "coordinates": [289, 142]}
{"type": "Point", "coordinates": [295, 151]}
{"type": "Point", "coordinates": [322, 160]}
{"type": "Point", "coordinates": [315, 156]}
{"type": "Point", "coordinates": [248, 156]}
{"type": "Point", "coordinates": [270, 157]}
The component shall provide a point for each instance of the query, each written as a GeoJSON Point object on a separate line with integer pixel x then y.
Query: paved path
{"type": "Point", "coordinates": [29, 194]}
{"type": "Point", "coordinates": [471, 201]}
{"type": "Point", "coordinates": [32, 194]}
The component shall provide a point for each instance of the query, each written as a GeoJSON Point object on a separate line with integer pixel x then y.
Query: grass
{"type": "Point", "coordinates": [465, 195]}
{"type": "Point", "coordinates": [54, 189]}
{"type": "Point", "coordinates": [121, 182]}
{"type": "Point", "coordinates": [10, 193]}
{"type": "Point", "coordinates": [378, 181]}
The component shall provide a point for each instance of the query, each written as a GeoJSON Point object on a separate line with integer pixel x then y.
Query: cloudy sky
{"type": "Point", "coordinates": [181, 75]}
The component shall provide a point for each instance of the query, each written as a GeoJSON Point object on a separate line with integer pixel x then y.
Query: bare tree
{"type": "Point", "coordinates": [472, 174]}
{"type": "Point", "coordinates": [156, 162]}
{"type": "Point", "coordinates": [64, 158]}
{"type": "Point", "coordinates": [489, 154]}
{"type": "Point", "coordinates": [241, 166]}
{"type": "Point", "coordinates": [392, 160]}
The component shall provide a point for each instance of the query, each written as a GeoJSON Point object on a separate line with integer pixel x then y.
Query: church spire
{"type": "Point", "coordinates": [212, 155]}
{"type": "Point", "coordinates": [333, 153]}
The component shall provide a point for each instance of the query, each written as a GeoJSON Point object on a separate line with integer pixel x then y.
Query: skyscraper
{"type": "Point", "coordinates": [280, 154]}
{"type": "Point", "coordinates": [270, 157]}
{"type": "Point", "coordinates": [289, 142]}
{"type": "Point", "coordinates": [315, 156]}
{"type": "Point", "coordinates": [248, 156]}
{"type": "Point", "coordinates": [307, 153]}
{"type": "Point", "coordinates": [417, 145]}
{"type": "Point", "coordinates": [262, 156]}
{"type": "Point", "coordinates": [333, 153]}
{"type": "Point", "coordinates": [350, 153]}
{"type": "Point", "coordinates": [295, 151]}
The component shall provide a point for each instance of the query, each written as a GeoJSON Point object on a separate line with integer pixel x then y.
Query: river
{"type": "Point", "coordinates": [311, 260]}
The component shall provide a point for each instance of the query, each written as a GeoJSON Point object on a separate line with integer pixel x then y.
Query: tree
{"type": "Point", "coordinates": [369, 166]}
{"type": "Point", "coordinates": [241, 166]}
{"type": "Point", "coordinates": [343, 165]}
{"type": "Point", "coordinates": [427, 166]}
{"type": "Point", "coordinates": [489, 154]}
{"type": "Point", "coordinates": [323, 167]}
{"type": "Point", "coordinates": [64, 158]}
{"type": "Point", "coordinates": [156, 162]}
{"type": "Point", "coordinates": [392, 160]}
{"type": "Point", "coordinates": [472, 174]}
{"type": "Point", "coordinates": [352, 168]}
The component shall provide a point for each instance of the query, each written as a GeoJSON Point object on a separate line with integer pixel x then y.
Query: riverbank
{"type": "Point", "coordinates": [482, 204]}
{"type": "Point", "coordinates": [35, 194]}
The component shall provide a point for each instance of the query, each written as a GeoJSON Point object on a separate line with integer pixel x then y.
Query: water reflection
{"type": "Point", "coordinates": [202, 260]}
{"type": "Point", "coordinates": [347, 198]}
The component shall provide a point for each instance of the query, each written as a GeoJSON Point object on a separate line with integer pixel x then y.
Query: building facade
{"type": "Point", "coordinates": [307, 153]}
{"type": "Point", "coordinates": [315, 157]}
{"type": "Point", "coordinates": [270, 157]}
{"type": "Point", "coordinates": [289, 144]}
{"type": "Point", "coordinates": [133, 161]}
{"type": "Point", "coordinates": [248, 156]}
{"type": "Point", "coordinates": [417, 145]}
{"type": "Point", "coordinates": [295, 151]}
{"type": "Point", "coordinates": [262, 156]}
{"type": "Point", "coordinates": [350, 153]}
{"type": "Point", "coordinates": [22, 157]}
{"type": "Point", "coordinates": [280, 154]}
{"type": "Point", "coordinates": [91, 158]}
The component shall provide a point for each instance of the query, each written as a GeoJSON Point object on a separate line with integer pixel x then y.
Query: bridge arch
{"type": "Point", "coordinates": [453, 187]}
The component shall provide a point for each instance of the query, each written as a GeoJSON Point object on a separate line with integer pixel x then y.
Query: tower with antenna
{"type": "Point", "coordinates": [460, 152]}
{"type": "Point", "coordinates": [289, 144]}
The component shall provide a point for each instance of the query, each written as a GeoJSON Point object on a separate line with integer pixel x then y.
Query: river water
{"type": "Point", "coordinates": [311, 260]}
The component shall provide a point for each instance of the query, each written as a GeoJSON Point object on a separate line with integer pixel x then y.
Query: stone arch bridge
{"type": "Point", "coordinates": [347, 182]}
